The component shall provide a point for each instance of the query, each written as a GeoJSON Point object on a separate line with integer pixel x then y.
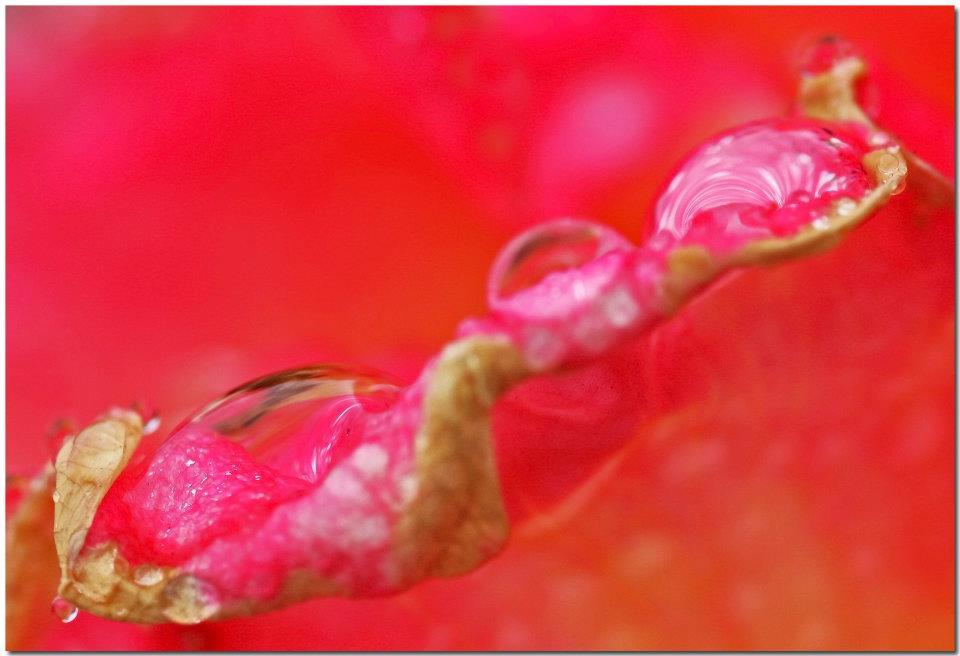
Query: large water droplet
{"type": "Point", "coordinates": [552, 247]}
{"type": "Point", "coordinates": [296, 421]}
{"type": "Point", "coordinates": [770, 177]}
{"type": "Point", "coordinates": [63, 609]}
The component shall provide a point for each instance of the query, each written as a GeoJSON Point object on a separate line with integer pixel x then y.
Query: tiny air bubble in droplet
{"type": "Point", "coordinates": [63, 609]}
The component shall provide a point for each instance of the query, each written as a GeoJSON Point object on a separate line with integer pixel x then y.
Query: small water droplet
{"type": "Point", "coordinates": [552, 247]}
{"type": "Point", "coordinates": [56, 496]}
{"type": "Point", "coordinates": [147, 575]}
{"type": "Point", "coordinates": [821, 224]}
{"type": "Point", "coordinates": [188, 600]}
{"type": "Point", "coordinates": [63, 609]}
{"type": "Point", "coordinates": [888, 163]}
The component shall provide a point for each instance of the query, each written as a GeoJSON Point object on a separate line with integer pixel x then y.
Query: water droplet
{"type": "Point", "coordinates": [545, 249]}
{"type": "Point", "coordinates": [728, 195]}
{"type": "Point", "coordinates": [189, 600]}
{"type": "Point", "coordinates": [296, 421]}
{"type": "Point", "coordinates": [147, 575]}
{"type": "Point", "coordinates": [888, 163]}
{"type": "Point", "coordinates": [56, 496]}
{"type": "Point", "coordinates": [821, 224]}
{"type": "Point", "coordinates": [63, 609]}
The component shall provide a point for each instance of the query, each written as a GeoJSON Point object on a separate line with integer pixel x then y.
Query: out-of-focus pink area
{"type": "Point", "coordinates": [197, 196]}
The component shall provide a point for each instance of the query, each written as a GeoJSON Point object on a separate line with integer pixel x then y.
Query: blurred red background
{"type": "Point", "coordinates": [196, 196]}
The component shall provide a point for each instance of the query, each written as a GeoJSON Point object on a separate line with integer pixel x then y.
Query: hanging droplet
{"type": "Point", "coordinates": [63, 609]}
{"type": "Point", "coordinates": [890, 166]}
{"type": "Point", "coordinates": [297, 421]}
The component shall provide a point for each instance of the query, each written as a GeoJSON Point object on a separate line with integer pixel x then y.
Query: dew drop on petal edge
{"type": "Point", "coordinates": [63, 609]}
{"type": "Point", "coordinates": [551, 247]}
{"type": "Point", "coordinates": [295, 421]}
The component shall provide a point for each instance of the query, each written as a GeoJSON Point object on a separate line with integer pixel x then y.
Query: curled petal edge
{"type": "Point", "coordinates": [456, 519]}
